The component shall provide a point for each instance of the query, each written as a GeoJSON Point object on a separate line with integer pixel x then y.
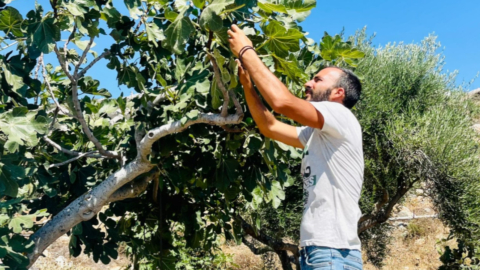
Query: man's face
{"type": "Point", "coordinates": [320, 87]}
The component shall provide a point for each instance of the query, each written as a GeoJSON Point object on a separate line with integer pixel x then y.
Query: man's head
{"type": "Point", "coordinates": [334, 84]}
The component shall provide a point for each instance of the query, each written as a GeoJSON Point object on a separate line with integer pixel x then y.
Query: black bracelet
{"type": "Point", "coordinates": [242, 51]}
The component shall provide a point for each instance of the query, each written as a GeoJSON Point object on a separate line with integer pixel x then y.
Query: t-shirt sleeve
{"type": "Point", "coordinates": [336, 116]}
{"type": "Point", "coordinates": [304, 134]}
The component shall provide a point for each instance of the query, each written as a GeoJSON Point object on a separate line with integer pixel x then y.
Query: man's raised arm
{"type": "Point", "coordinates": [272, 89]}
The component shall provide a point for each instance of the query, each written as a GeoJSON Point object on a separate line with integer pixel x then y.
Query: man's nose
{"type": "Point", "coordinates": [308, 84]}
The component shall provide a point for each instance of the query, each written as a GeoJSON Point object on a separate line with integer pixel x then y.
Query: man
{"type": "Point", "coordinates": [333, 163]}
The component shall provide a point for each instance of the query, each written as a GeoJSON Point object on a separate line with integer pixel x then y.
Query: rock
{"type": "Point", "coordinates": [476, 127]}
{"type": "Point", "coordinates": [60, 261]}
{"type": "Point", "coordinates": [427, 210]}
{"type": "Point", "coordinates": [405, 212]}
{"type": "Point", "coordinates": [420, 242]}
{"type": "Point", "coordinates": [419, 192]}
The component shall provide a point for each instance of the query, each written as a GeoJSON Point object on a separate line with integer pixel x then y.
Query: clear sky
{"type": "Point", "coordinates": [456, 23]}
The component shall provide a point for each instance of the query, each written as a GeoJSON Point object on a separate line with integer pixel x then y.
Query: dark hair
{"type": "Point", "coordinates": [350, 82]}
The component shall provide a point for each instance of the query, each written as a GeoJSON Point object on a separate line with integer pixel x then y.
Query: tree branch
{"type": "Point", "coordinates": [63, 64]}
{"type": "Point", "coordinates": [84, 207]}
{"type": "Point", "coordinates": [175, 127]}
{"type": "Point", "coordinates": [82, 58]}
{"type": "Point", "coordinates": [381, 215]}
{"type": "Point", "coordinates": [86, 129]}
{"type": "Point", "coordinates": [105, 53]}
{"type": "Point", "coordinates": [70, 152]}
{"type": "Point", "coordinates": [47, 83]}
{"type": "Point", "coordinates": [132, 190]}
{"type": "Point", "coordinates": [255, 250]}
{"type": "Point", "coordinates": [72, 35]}
{"type": "Point", "coordinates": [218, 79]}
{"type": "Point", "coordinates": [277, 245]}
{"type": "Point", "coordinates": [72, 159]}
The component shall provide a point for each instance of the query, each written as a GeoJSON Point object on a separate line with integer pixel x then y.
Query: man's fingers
{"type": "Point", "coordinates": [230, 33]}
{"type": "Point", "coordinates": [235, 28]}
{"type": "Point", "coordinates": [240, 68]}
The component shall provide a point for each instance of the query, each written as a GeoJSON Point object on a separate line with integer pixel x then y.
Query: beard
{"type": "Point", "coordinates": [320, 96]}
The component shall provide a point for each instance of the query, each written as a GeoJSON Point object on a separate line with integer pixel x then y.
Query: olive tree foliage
{"type": "Point", "coordinates": [68, 148]}
{"type": "Point", "coordinates": [417, 128]}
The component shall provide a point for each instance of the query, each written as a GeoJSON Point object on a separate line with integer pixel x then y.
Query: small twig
{"type": "Point", "coordinates": [47, 83]}
{"type": "Point", "coordinates": [63, 64]}
{"type": "Point", "coordinates": [53, 3]}
{"type": "Point", "coordinates": [9, 45]}
{"type": "Point", "coordinates": [37, 68]}
{"type": "Point", "coordinates": [65, 49]}
{"type": "Point", "coordinates": [238, 107]}
{"type": "Point", "coordinates": [92, 63]}
{"type": "Point", "coordinates": [72, 159]}
{"type": "Point", "coordinates": [82, 58]}
{"type": "Point", "coordinates": [72, 35]}
{"type": "Point", "coordinates": [218, 78]}
{"type": "Point", "coordinates": [57, 109]}
{"type": "Point", "coordinates": [69, 152]}
{"type": "Point", "coordinates": [232, 130]}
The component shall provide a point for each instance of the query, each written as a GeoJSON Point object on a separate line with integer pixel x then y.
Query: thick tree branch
{"type": "Point", "coordinates": [277, 245]}
{"type": "Point", "coordinates": [382, 215]}
{"type": "Point", "coordinates": [175, 127]}
{"type": "Point", "coordinates": [84, 207]}
{"type": "Point", "coordinates": [132, 190]}
{"type": "Point", "coordinates": [255, 250]}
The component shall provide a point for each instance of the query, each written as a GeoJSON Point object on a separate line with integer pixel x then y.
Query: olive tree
{"type": "Point", "coordinates": [417, 128]}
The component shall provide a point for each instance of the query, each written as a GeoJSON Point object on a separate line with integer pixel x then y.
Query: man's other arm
{"type": "Point", "coordinates": [268, 125]}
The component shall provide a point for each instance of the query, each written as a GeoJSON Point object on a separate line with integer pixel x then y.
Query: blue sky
{"type": "Point", "coordinates": [455, 23]}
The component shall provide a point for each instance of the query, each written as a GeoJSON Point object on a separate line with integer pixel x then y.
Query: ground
{"type": "Point", "coordinates": [414, 246]}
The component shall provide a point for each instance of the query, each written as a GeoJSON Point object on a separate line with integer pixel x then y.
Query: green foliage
{"type": "Point", "coordinates": [415, 230]}
{"type": "Point", "coordinates": [207, 175]}
{"type": "Point", "coordinates": [157, 49]}
{"type": "Point", "coordinates": [462, 257]}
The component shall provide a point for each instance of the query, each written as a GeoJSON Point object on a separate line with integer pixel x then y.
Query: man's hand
{"type": "Point", "coordinates": [243, 75]}
{"type": "Point", "coordinates": [237, 39]}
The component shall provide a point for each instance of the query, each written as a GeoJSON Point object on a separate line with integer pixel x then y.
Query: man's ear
{"type": "Point", "coordinates": [338, 93]}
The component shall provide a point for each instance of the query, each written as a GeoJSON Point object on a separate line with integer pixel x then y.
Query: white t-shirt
{"type": "Point", "coordinates": [332, 168]}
